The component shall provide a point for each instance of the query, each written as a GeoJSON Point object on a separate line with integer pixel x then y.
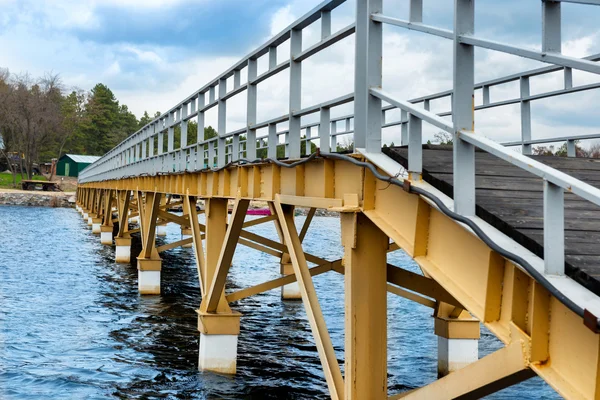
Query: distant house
{"type": "Point", "coordinates": [73, 164]}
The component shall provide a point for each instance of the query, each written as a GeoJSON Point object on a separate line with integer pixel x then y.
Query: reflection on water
{"type": "Point", "coordinates": [72, 324]}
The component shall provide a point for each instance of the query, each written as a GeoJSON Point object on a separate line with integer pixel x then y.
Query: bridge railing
{"type": "Point", "coordinates": [369, 95]}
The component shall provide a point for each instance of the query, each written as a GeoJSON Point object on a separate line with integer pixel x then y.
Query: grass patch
{"type": "Point", "coordinates": [6, 180]}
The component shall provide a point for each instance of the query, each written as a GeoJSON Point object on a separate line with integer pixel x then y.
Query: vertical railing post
{"type": "Point", "coordinates": [525, 116]}
{"type": "Point", "coordinates": [272, 142]}
{"type": "Point", "coordinates": [222, 123]}
{"type": "Point", "coordinates": [551, 26]}
{"type": "Point", "coordinates": [200, 137]}
{"type": "Point", "coordinates": [415, 13]}
{"type": "Point", "coordinates": [554, 229]}
{"type": "Point", "coordinates": [486, 95]}
{"type": "Point", "coordinates": [415, 148]}
{"type": "Point", "coordinates": [463, 108]}
{"type": "Point", "coordinates": [568, 78]}
{"type": "Point", "coordinates": [333, 136]}
{"type": "Point", "coordinates": [171, 132]}
{"type": "Point", "coordinates": [571, 148]}
{"type": "Point", "coordinates": [324, 130]}
{"type": "Point", "coordinates": [295, 94]}
{"type": "Point", "coordinates": [403, 128]}
{"type": "Point", "coordinates": [251, 112]}
{"type": "Point", "coordinates": [183, 112]}
{"type": "Point", "coordinates": [367, 74]}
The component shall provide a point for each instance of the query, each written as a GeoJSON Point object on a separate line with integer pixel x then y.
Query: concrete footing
{"type": "Point", "coordinates": [123, 250]}
{"type": "Point", "coordinates": [96, 225]}
{"type": "Point", "coordinates": [149, 276]}
{"type": "Point", "coordinates": [106, 235]}
{"type": "Point", "coordinates": [292, 290]}
{"type": "Point", "coordinates": [454, 354]}
{"type": "Point", "coordinates": [218, 342]}
{"type": "Point", "coordinates": [218, 353]}
{"type": "Point", "coordinates": [186, 234]}
{"type": "Point", "coordinates": [161, 230]}
{"type": "Point", "coordinates": [458, 343]}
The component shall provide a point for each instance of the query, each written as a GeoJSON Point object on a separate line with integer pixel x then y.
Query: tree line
{"type": "Point", "coordinates": [40, 119]}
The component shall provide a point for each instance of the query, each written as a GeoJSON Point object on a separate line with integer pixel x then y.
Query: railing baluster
{"type": "Point", "coordinates": [464, 71]}
{"type": "Point", "coordinates": [272, 142]}
{"type": "Point", "coordinates": [403, 128]}
{"type": "Point", "coordinates": [571, 148]}
{"type": "Point", "coordinates": [551, 26]}
{"type": "Point", "coordinates": [325, 24]}
{"type": "Point", "coordinates": [415, 148]}
{"type": "Point", "coordinates": [334, 136]}
{"type": "Point", "coordinates": [324, 130]}
{"type": "Point", "coordinates": [367, 70]}
{"type": "Point", "coordinates": [525, 116]}
{"type": "Point", "coordinates": [293, 146]}
{"type": "Point", "coordinates": [251, 111]}
{"type": "Point", "coordinates": [554, 229]}
{"type": "Point", "coordinates": [415, 13]}
{"type": "Point", "coordinates": [222, 123]}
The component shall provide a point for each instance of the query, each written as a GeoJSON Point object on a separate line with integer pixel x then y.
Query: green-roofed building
{"type": "Point", "coordinates": [73, 164]}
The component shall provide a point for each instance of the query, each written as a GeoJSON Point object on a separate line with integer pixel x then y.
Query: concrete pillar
{"type": "Point", "coordinates": [291, 291]}
{"type": "Point", "coordinates": [218, 342]}
{"type": "Point", "coordinates": [161, 230]}
{"type": "Point", "coordinates": [90, 217]}
{"type": "Point", "coordinates": [123, 250]}
{"type": "Point", "coordinates": [149, 276]}
{"type": "Point", "coordinates": [106, 235]}
{"type": "Point", "coordinates": [458, 343]}
{"type": "Point", "coordinates": [96, 225]}
{"type": "Point", "coordinates": [186, 233]}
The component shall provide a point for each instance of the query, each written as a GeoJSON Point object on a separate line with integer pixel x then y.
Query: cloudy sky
{"type": "Point", "coordinates": [153, 53]}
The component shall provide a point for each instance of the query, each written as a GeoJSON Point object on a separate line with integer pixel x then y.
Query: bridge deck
{"type": "Point", "coordinates": [510, 199]}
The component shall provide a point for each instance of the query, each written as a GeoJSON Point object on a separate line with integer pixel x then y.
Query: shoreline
{"type": "Point", "coordinates": [36, 198]}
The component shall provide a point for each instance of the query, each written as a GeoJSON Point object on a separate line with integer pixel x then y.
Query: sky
{"type": "Point", "coordinates": [154, 53]}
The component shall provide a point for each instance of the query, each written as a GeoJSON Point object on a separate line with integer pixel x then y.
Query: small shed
{"type": "Point", "coordinates": [73, 164]}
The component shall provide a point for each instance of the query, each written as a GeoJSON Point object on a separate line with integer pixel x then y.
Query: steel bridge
{"type": "Point", "coordinates": [532, 281]}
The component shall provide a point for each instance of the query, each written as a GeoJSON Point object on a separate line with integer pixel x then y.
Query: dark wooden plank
{"type": "Point", "coordinates": [511, 200]}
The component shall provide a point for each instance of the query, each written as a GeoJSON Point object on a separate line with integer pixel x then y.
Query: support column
{"type": "Point", "coordinates": [365, 280]}
{"type": "Point", "coordinates": [149, 262]}
{"type": "Point", "coordinates": [186, 231]}
{"type": "Point", "coordinates": [458, 339]}
{"type": "Point", "coordinates": [123, 239]}
{"type": "Point", "coordinates": [291, 291]}
{"type": "Point", "coordinates": [219, 327]}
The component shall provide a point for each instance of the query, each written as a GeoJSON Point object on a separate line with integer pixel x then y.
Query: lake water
{"type": "Point", "coordinates": [72, 325]}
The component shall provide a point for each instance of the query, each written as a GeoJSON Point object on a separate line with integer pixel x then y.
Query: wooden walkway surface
{"type": "Point", "coordinates": [511, 200]}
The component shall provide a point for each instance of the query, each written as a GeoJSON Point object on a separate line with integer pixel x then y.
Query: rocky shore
{"type": "Point", "coordinates": [36, 198]}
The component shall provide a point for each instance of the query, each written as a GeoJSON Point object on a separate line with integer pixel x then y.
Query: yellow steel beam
{"type": "Point", "coordinates": [331, 368]}
{"type": "Point", "coordinates": [179, 220]}
{"type": "Point", "coordinates": [307, 221]}
{"type": "Point", "coordinates": [275, 283]}
{"type": "Point", "coordinates": [198, 248]}
{"type": "Point", "coordinates": [503, 368]}
{"type": "Point", "coordinates": [260, 220]}
{"type": "Point", "coordinates": [224, 263]}
{"type": "Point", "coordinates": [411, 296]}
{"type": "Point", "coordinates": [365, 252]}
{"type": "Point", "coordinates": [420, 284]}
{"type": "Point", "coordinates": [148, 223]}
{"type": "Point", "coordinates": [173, 245]}
{"type": "Point", "coordinates": [123, 210]}
{"type": "Point", "coordinates": [260, 247]}
{"type": "Point", "coordinates": [216, 232]}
